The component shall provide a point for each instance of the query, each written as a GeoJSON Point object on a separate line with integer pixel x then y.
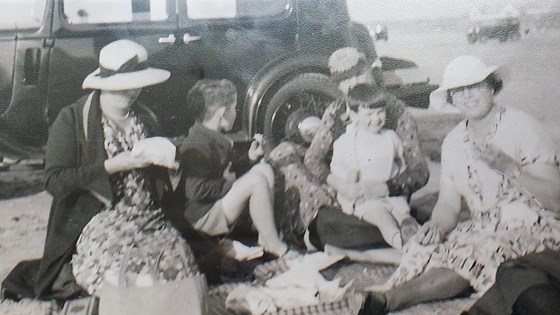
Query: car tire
{"type": "Point", "coordinates": [309, 92]}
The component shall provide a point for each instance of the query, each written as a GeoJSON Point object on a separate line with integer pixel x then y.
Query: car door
{"type": "Point", "coordinates": [234, 40]}
{"type": "Point", "coordinates": [82, 27]}
{"type": "Point", "coordinates": [23, 71]}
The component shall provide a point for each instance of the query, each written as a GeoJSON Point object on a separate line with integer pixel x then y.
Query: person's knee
{"type": "Point", "coordinates": [266, 171]}
{"type": "Point", "coordinates": [255, 181]}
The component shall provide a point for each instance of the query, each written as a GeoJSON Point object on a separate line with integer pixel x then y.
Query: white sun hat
{"type": "Point", "coordinates": [467, 70]}
{"type": "Point", "coordinates": [464, 71]}
{"type": "Point", "coordinates": [123, 66]}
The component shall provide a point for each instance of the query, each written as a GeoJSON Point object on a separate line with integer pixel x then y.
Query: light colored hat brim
{"type": "Point", "coordinates": [501, 72]}
{"type": "Point", "coordinates": [125, 81]}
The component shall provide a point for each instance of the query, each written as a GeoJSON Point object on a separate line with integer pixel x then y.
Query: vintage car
{"type": "Point", "coordinates": [275, 51]}
{"type": "Point", "coordinates": [494, 22]}
{"type": "Point", "coordinates": [502, 30]}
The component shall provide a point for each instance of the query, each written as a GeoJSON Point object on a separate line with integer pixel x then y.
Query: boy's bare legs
{"type": "Point", "coordinates": [266, 170]}
{"type": "Point", "coordinates": [254, 188]}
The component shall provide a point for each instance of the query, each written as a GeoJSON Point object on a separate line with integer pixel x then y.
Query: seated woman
{"type": "Point", "coordinates": [505, 166]}
{"type": "Point", "coordinates": [348, 68]}
{"type": "Point", "coordinates": [364, 158]}
{"type": "Point", "coordinates": [106, 184]}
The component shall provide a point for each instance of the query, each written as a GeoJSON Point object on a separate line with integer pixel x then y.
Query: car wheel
{"type": "Point", "coordinates": [305, 96]}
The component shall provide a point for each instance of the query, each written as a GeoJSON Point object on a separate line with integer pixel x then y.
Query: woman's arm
{"type": "Point", "coordinates": [445, 215]}
{"type": "Point", "coordinates": [66, 171]}
{"type": "Point", "coordinates": [543, 181]}
{"type": "Point", "coordinates": [447, 208]}
{"type": "Point", "coordinates": [64, 174]}
{"type": "Point", "coordinates": [528, 156]}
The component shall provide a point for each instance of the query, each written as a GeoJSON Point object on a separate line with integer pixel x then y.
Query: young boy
{"type": "Point", "coordinates": [364, 158]}
{"type": "Point", "coordinates": [215, 197]}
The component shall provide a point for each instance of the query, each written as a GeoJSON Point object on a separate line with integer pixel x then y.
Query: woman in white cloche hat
{"type": "Point", "coordinates": [505, 166]}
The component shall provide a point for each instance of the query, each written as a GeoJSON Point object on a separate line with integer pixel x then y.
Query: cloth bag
{"type": "Point", "coordinates": [182, 297]}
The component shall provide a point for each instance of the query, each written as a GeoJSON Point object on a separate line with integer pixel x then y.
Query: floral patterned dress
{"type": "Point", "coordinates": [506, 221]}
{"type": "Point", "coordinates": [132, 226]}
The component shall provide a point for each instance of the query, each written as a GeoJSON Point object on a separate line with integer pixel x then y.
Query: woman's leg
{"type": "Point", "coordinates": [253, 188]}
{"type": "Point", "coordinates": [378, 255]}
{"type": "Point", "coordinates": [435, 284]}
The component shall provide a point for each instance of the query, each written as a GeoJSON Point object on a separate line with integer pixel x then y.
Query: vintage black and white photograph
{"type": "Point", "coordinates": [212, 157]}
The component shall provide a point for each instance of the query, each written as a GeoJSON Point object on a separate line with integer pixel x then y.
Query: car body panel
{"type": "Point", "coordinates": [282, 39]}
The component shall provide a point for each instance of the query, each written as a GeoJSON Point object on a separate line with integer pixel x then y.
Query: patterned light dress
{"type": "Point", "coordinates": [131, 226]}
{"type": "Point", "coordinates": [506, 221]}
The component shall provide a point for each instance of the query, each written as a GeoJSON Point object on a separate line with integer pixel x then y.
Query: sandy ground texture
{"type": "Point", "coordinates": [22, 236]}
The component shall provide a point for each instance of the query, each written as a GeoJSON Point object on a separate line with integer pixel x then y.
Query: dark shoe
{"type": "Point", "coordinates": [374, 304]}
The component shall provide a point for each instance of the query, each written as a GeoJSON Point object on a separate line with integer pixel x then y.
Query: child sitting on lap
{"type": "Point", "coordinates": [215, 197]}
{"type": "Point", "coordinates": [364, 158]}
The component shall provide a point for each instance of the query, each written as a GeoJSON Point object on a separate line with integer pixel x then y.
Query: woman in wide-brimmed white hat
{"type": "Point", "coordinates": [107, 173]}
{"type": "Point", "coordinates": [505, 166]}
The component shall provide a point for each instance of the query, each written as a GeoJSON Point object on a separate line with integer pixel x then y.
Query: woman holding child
{"type": "Point", "coordinates": [106, 177]}
{"type": "Point", "coordinates": [503, 164]}
{"type": "Point", "coordinates": [350, 68]}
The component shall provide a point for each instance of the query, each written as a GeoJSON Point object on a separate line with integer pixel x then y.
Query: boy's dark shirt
{"type": "Point", "coordinates": [204, 154]}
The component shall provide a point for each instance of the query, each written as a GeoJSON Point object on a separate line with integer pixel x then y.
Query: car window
{"type": "Point", "coordinates": [114, 11]}
{"type": "Point", "coordinates": [21, 14]}
{"type": "Point", "coordinates": [228, 9]}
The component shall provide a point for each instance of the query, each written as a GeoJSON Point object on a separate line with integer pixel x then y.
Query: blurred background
{"type": "Point", "coordinates": [433, 32]}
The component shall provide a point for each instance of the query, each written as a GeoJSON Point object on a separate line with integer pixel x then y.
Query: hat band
{"type": "Point", "coordinates": [378, 103]}
{"type": "Point", "coordinates": [355, 70]}
{"type": "Point", "coordinates": [132, 65]}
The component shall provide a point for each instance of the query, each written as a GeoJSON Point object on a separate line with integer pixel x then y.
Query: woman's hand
{"type": "Point", "coordinates": [125, 161]}
{"type": "Point", "coordinates": [500, 161]}
{"type": "Point", "coordinates": [429, 233]}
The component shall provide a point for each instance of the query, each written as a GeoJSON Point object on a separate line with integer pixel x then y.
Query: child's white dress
{"type": "Point", "coordinates": [376, 157]}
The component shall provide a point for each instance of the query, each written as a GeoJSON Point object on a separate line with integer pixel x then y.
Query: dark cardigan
{"type": "Point", "coordinates": [74, 168]}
